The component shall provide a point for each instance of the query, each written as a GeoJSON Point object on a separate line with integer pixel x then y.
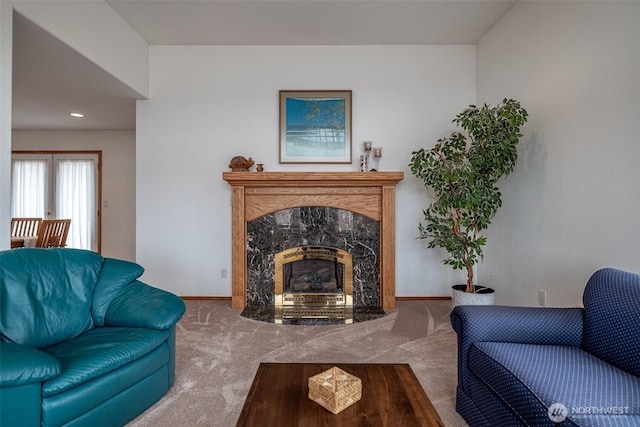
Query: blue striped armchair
{"type": "Point", "coordinates": [540, 366]}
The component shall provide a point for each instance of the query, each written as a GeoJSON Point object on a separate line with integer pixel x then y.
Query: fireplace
{"type": "Point", "coordinates": [308, 250]}
{"type": "Point", "coordinates": [275, 212]}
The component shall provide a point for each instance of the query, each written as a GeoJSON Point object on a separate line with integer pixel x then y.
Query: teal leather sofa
{"type": "Point", "coordinates": [83, 342]}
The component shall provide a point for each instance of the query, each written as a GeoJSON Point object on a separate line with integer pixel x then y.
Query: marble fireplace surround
{"type": "Point", "coordinates": [255, 194]}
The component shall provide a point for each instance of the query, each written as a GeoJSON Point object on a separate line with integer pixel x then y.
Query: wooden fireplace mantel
{"type": "Point", "coordinates": [371, 194]}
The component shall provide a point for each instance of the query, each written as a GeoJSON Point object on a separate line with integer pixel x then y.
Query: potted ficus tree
{"type": "Point", "coordinates": [462, 171]}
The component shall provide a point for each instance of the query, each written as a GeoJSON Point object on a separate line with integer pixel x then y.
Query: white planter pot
{"type": "Point", "coordinates": [460, 297]}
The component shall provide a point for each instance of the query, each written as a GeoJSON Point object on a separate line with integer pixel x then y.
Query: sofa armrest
{"type": "Point", "coordinates": [25, 365]}
{"type": "Point", "coordinates": [529, 325]}
{"type": "Point", "coordinates": [142, 306]}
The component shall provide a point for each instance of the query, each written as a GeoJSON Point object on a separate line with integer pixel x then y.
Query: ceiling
{"type": "Point", "coordinates": [50, 79]}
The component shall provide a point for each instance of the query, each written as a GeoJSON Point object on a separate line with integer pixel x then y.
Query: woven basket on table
{"type": "Point", "coordinates": [335, 389]}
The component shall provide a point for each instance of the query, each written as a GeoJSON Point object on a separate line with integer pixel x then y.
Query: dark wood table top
{"type": "Point", "coordinates": [391, 396]}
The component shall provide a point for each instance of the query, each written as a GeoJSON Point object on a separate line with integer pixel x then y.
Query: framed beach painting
{"type": "Point", "coordinates": [315, 126]}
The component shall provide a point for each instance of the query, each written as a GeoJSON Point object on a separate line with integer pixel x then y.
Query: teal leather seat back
{"type": "Point", "coordinates": [46, 294]}
{"type": "Point", "coordinates": [114, 276]}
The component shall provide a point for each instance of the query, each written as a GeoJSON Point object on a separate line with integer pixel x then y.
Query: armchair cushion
{"type": "Point", "coordinates": [533, 377]}
{"type": "Point", "coordinates": [533, 325]}
{"type": "Point", "coordinates": [56, 305]}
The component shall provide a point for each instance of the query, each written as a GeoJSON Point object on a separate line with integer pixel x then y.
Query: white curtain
{"type": "Point", "coordinates": [28, 190]}
{"type": "Point", "coordinates": [75, 195]}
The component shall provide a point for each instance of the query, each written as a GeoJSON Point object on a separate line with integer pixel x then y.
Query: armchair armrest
{"type": "Point", "coordinates": [25, 365]}
{"type": "Point", "coordinates": [528, 325]}
{"type": "Point", "coordinates": [143, 306]}
{"type": "Point", "coordinates": [532, 325]}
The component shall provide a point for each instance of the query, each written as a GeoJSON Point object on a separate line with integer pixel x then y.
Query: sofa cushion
{"type": "Point", "coordinates": [46, 294]}
{"type": "Point", "coordinates": [97, 352]}
{"type": "Point", "coordinates": [611, 327]}
{"type": "Point", "coordinates": [24, 365]}
{"type": "Point", "coordinates": [529, 378]}
{"type": "Point", "coordinates": [114, 275]}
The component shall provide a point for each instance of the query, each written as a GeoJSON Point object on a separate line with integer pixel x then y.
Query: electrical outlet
{"type": "Point", "coordinates": [542, 298]}
{"type": "Point", "coordinates": [492, 278]}
{"type": "Point", "coordinates": [223, 273]}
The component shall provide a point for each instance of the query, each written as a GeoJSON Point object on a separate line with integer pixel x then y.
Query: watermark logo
{"type": "Point", "coordinates": [558, 412]}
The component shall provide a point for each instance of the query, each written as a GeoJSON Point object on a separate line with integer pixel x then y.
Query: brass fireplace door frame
{"type": "Point", "coordinates": [318, 299]}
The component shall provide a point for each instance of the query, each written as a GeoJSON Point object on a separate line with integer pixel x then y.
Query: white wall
{"type": "Point", "coordinates": [210, 103]}
{"type": "Point", "coordinates": [118, 178]}
{"type": "Point", "coordinates": [572, 204]}
{"type": "Point", "coordinates": [6, 49]}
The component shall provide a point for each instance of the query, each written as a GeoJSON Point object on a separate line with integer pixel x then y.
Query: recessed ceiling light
{"type": "Point", "coordinates": [77, 115]}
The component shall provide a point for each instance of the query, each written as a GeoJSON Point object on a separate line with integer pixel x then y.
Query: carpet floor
{"type": "Point", "coordinates": [218, 353]}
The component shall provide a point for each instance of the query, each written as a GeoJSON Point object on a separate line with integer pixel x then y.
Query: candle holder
{"type": "Point", "coordinates": [364, 163]}
{"type": "Point", "coordinates": [364, 159]}
{"type": "Point", "coordinates": [377, 154]}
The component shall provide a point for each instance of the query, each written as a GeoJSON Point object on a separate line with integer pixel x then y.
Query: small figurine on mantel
{"type": "Point", "coordinates": [240, 164]}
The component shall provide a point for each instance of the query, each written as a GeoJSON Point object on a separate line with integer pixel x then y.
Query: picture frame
{"type": "Point", "coordinates": [315, 126]}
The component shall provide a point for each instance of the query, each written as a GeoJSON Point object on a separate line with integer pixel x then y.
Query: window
{"type": "Point", "coordinates": [59, 185]}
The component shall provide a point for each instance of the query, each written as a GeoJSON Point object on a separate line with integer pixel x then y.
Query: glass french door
{"type": "Point", "coordinates": [59, 185]}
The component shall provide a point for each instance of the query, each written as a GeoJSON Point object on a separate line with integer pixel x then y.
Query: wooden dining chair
{"type": "Point", "coordinates": [53, 233]}
{"type": "Point", "coordinates": [25, 227]}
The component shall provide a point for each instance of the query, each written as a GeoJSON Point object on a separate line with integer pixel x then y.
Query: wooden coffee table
{"type": "Point", "coordinates": [391, 396]}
